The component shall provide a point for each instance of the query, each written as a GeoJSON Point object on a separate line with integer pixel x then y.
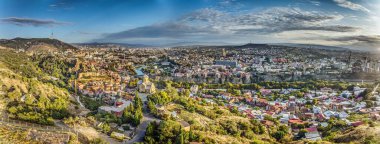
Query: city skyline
{"type": "Point", "coordinates": [346, 23]}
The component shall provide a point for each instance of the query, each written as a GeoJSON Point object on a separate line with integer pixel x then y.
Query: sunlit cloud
{"type": "Point", "coordinates": [351, 5]}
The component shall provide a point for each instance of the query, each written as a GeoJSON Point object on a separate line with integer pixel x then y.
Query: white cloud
{"type": "Point", "coordinates": [211, 22]}
{"type": "Point", "coordinates": [316, 3]}
{"type": "Point", "coordinates": [268, 21]}
{"type": "Point", "coordinates": [278, 24]}
{"type": "Point", "coordinates": [351, 5]}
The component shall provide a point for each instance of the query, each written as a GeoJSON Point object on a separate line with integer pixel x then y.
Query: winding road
{"type": "Point", "coordinates": [140, 130]}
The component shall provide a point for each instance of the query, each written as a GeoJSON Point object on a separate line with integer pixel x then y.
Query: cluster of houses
{"type": "Point", "coordinates": [236, 70]}
{"type": "Point", "coordinates": [233, 65]}
{"type": "Point", "coordinates": [315, 107]}
{"type": "Point", "coordinates": [236, 66]}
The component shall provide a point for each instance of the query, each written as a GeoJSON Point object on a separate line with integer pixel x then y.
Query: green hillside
{"type": "Point", "coordinates": [28, 93]}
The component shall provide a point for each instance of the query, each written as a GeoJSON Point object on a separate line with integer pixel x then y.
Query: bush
{"type": "Point", "coordinates": [371, 124]}
{"type": "Point", "coordinates": [118, 136]}
{"type": "Point", "coordinates": [98, 141]}
{"type": "Point", "coordinates": [126, 128]}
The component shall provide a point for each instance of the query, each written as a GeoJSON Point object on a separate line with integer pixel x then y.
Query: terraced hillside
{"type": "Point", "coordinates": [30, 136]}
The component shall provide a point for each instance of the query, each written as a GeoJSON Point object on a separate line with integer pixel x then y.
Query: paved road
{"type": "Point", "coordinates": [140, 131]}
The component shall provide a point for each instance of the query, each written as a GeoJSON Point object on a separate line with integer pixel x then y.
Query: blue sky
{"type": "Point", "coordinates": [348, 23]}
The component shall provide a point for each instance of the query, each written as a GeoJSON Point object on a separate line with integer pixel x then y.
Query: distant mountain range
{"type": "Point", "coordinates": [193, 43]}
{"type": "Point", "coordinates": [36, 44]}
{"type": "Point", "coordinates": [32, 44]}
{"type": "Point", "coordinates": [100, 45]}
{"type": "Point", "coordinates": [255, 45]}
{"type": "Point", "coordinates": [248, 45]}
{"type": "Point", "coordinates": [314, 46]}
{"type": "Point", "coordinates": [128, 45]}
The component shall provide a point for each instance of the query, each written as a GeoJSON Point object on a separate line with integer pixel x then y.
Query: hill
{"type": "Point", "coordinates": [36, 44]}
{"type": "Point", "coordinates": [252, 45]}
{"type": "Point", "coordinates": [193, 44]}
{"type": "Point", "coordinates": [312, 46]}
{"type": "Point", "coordinates": [29, 94]}
{"type": "Point", "coordinates": [361, 134]}
{"type": "Point", "coordinates": [110, 45]}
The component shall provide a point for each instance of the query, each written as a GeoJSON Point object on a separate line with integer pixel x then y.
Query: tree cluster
{"type": "Point", "coordinates": [133, 113]}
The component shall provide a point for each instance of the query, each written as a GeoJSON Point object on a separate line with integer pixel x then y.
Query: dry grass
{"type": "Point", "coordinates": [186, 115]}
{"type": "Point", "coordinates": [223, 139]}
{"type": "Point", "coordinates": [89, 132]}
{"type": "Point", "coordinates": [5, 80]}
{"type": "Point", "coordinates": [226, 139]}
{"type": "Point", "coordinates": [43, 47]}
{"type": "Point", "coordinates": [10, 135]}
{"type": "Point", "coordinates": [23, 86]}
{"type": "Point", "coordinates": [205, 122]}
{"type": "Point", "coordinates": [359, 134]}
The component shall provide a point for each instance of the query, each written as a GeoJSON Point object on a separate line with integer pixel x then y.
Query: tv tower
{"type": "Point", "coordinates": [52, 35]}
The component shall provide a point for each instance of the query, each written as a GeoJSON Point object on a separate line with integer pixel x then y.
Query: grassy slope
{"type": "Point", "coordinates": [359, 135]}
{"type": "Point", "coordinates": [205, 122]}
{"type": "Point", "coordinates": [11, 135]}
{"type": "Point", "coordinates": [9, 78]}
{"type": "Point", "coordinates": [17, 71]}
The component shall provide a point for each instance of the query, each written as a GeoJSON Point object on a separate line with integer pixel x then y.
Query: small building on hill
{"type": "Point", "coordinates": [117, 108]}
{"type": "Point", "coordinates": [185, 125]}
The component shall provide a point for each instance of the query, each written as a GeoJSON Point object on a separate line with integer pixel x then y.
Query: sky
{"type": "Point", "coordinates": [347, 23]}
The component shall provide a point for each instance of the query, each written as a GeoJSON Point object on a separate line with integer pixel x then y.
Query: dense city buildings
{"type": "Point", "coordinates": [126, 91]}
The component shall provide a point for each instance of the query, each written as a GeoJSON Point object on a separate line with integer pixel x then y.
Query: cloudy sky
{"type": "Point", "coordinates": [348, 23]}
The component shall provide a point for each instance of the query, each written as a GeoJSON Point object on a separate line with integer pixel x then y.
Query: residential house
{"type": "Point", "coordinates": [117, 108]}
{"type": "Point", "coordinates": [312, 134]}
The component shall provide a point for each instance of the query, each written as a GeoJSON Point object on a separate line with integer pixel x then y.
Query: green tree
{"type": "Point", "coordinates": [137, 102]}
{"type": "Point", "coordinates": [29, 99]}
{"type": "Point", "coordinates": [278, 135]}
{"type": "Point", "coordinates": [12, 110]}
{"type": "Point", "coordinates": [14, 95]}
{"type": "Point", "coordinates": [180, 138]}
{"type": "Point", "coordinates": [152, 107]}
{"type": "Point", "coordinates": [315, 102]}
{"type": "Point", "coordinates": [105, 128]}
{"type": "Point", "coordinates": [301, 133]}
